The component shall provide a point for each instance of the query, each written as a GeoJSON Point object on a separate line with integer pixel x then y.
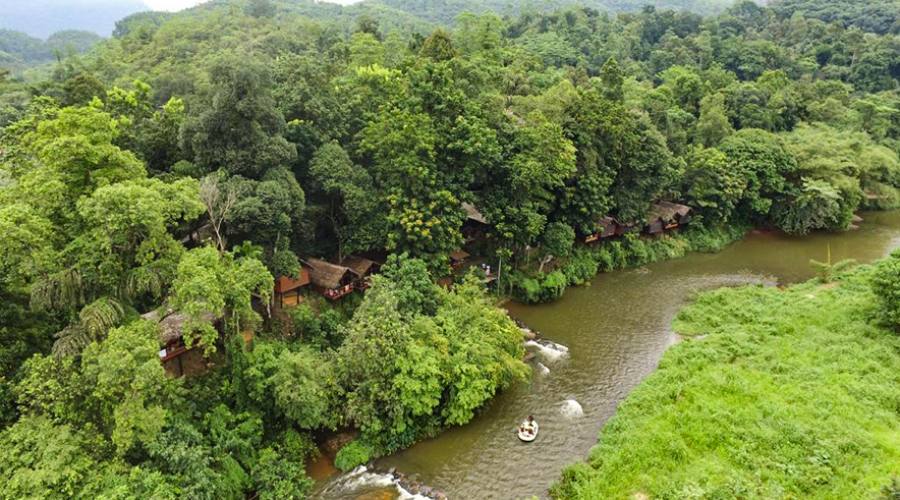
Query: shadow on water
{"type": "Point", "coordinates": [616, 330]}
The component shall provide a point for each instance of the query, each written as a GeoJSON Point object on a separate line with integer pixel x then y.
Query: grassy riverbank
{"type": "Point", "coordinates": [774, 394]}
{"type": "Point", "coordinates": [531, 286]}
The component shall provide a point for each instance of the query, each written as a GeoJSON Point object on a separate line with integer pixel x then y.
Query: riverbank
{"type": "Point", "coordinates": [774, 393]}
{"type": "Point", "coordinates": [587, 261]}
{"type": "Point", "coordinates": [616, 331]}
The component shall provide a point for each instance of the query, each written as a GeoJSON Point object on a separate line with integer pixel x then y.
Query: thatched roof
{"type": "Point", "coordinates": [171, 326]}
{"type": "Point", "coordinates": [359, 265]}
{"type": "Point", "coordinates": [286, 284]}
{"type": "Point", "coordinates": [472, 213]}
{"type": "Point", "coordinates": [327, 275]}
{"type": "Point", "coordinates": [667, 211]}
{"type": "Point", "coordinates": [459, 255]}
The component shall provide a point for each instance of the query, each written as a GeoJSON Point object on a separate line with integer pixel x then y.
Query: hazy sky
{"type": "Point", "coordinates": [173, 5]}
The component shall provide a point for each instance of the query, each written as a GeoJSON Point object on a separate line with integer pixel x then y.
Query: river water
{"type": "Point", "coordinates": [616, 330]}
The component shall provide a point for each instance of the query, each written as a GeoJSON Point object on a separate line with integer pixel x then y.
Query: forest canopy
{"type": "Point", "coordinates": [177, 171]}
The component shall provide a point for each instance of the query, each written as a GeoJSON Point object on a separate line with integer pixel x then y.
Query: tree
{"type": "Point", "coordinates": [760, 158]}
{"type": "Point", "coordinates": [350, 198]}
{"type": "Point", "coordinates": [303, 388]}
{"type": "Point", "coordinates": [238, 127]}
{"type": "Point", "coordinates": [128, 384]}
{"type": "Point", "coordinates": [261, 8]}
{"type": "Point", "coordinates": [27, 247]}
{"type": "Point", "coordinates": [557, 241]}
{"type": "Point", "coordinates": [44, 460]}
{"type": "Point", "coordinates": [438, 46]}
{"type": "Point", "coordinates": [77, 155]}
{"type": "Point", "coordinates": [711, 186]}
{"type": "Point", "coordinates": [213, 285]}
{"type": "Point", "coordinates": [219, 199]}
{"type": "Point", "coordinates": [713, 125]}
{"type": "Point", "coordinates": [612, 78]}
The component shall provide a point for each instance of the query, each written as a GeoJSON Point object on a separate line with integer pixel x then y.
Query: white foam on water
{"type": "Point", "coordinates": [571, 409]}
{"type": "Point", "coordinates": [361, 480]}
{"type": "Point", "coordinates": [551, 351]}
{"type": "Point", "coordinates": [542, 369]}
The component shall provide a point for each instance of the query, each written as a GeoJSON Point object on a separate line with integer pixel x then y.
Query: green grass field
{"type": "Point", "coordinates": [773, 394]}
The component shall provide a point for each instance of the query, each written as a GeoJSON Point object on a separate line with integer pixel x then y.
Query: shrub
{"type": "Point", "coordinates": [886, 285]}
{"type": "Point", "coordinates": [354, 454]}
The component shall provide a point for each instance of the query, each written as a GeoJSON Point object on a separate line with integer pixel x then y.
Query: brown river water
{"type": "Point", "coordinates": [616, 330]}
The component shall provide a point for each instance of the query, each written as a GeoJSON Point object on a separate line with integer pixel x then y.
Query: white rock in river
{"type": "Point", "coordinates": [551, 351]}
{"type": "Point", "coordinates": [571, 409]}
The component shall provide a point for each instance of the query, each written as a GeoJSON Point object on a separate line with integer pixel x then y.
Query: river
{"type": "Point", "coordinates": [616, 330]}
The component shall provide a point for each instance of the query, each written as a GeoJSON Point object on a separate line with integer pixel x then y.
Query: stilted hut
{"type": "Point", "coordinates": [331, 280]}
{"type": "Point", "coordinates": [476, 225]}
{"type": "Point", "coordinates": [176, 357]}
{"type": "Point", "coordinates": [458, 258]}
{"type": "Point", "coordinates": [665, 216]}
{"type": "Point", "coordinates": [605, 227]}
{"type": "Point", "coordinates": [288, 289]}
{"type": "Point", "coordinates": [363, 268]}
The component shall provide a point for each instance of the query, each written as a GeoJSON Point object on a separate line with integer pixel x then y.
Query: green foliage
{"type": "Point", "coordinates": [353, 454]}
{"type": "Point", "coordinates": [303, 388]}
{"type": "Point", "coordinates": [212, 286]}
{"type": "Point", "coordinates": [886, 288]}
{"type": "Point", "coordinates": [745, 406]}
{"type": "Point", "coordinates": [630, 251]}
{"type": "Point", "coordinates": [239, 128]}
{"type": "Point", "coordinates": [398, 363]}
{"type": "Point", "coordinates": [326, 130]}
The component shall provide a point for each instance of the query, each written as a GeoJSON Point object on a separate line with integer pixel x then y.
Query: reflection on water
{"type": "Point", "coordinates": [616, 330]}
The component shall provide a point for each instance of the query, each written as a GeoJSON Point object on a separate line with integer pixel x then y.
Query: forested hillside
{"type": "Point", "coordinates": [165, 194]}
{"type": "Point", "coordinates": [446, 11]}
{"type": "Point", "coordinates": [18, 50]}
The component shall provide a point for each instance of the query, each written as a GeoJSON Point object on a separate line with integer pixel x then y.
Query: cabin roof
{"type": "Point", "coordinates": [359, 265]}
{"type": "Point", "coordinates": [667, 211]}
{"type": "Point", "coordinates": [171, 326]}
{"type": "Point", "coordinates": [459, 255]}
{"type": "Point", "coordinates": [472, 213]}
{"type": "Point", "coordinates": [327, 275]}
{"type": "Point", "coordinates": [286, 284]}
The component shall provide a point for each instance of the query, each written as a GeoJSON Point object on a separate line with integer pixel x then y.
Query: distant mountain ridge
{"type": "Point", "coordinates": [42, 18]}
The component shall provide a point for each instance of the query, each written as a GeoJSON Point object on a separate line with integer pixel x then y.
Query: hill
{"type": "Point", "coordinates": [19, 50]}
{"type": "Point", "coordinates": [42, 18]}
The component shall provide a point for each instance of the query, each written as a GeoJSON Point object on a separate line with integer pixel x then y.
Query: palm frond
{"type": "Point", "coordinates": [100, 316]}
{"type": "Point", "coordinates": [843, 265]}
{"type": "Point", "coordinates": [141, 280]}
{"type": "Point", "coordinates": [71, 341]}
{"type": "Point", "coordinates": [59, 291]}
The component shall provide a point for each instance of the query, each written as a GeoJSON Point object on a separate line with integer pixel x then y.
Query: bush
{"type": "Point", "coordinates": [630, 251]}
{"type": "Point", "coordinates": [354, 454]}
{"type": "Point", "coordinates": [532, 290]}
{"type": "Point", "coordinates": [886, 285]}
{"type": "Point", "coordinates": [321, 329]}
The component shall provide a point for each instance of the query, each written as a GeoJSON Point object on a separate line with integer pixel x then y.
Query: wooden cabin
{"type": "Point", "coordinates": [331, 280]}
{"type": "Point", "coordinates": [665, 216]}
{"type": "Point", "coordinates": [458, 258]}
{"type": "Point", "coordinates": [476, 224]}
{"type": "Point", "coordinates": [176, 357]}
{"type": "Point", "coordinates": [288, 289]}
{"type": "Point", "coordinates": [605, 227]}
{"type": "Point", "coordinates": [363, 268]}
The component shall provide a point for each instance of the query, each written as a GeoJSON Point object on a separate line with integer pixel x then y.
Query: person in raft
{"type": "Point", "coordinates": [527, 426]}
